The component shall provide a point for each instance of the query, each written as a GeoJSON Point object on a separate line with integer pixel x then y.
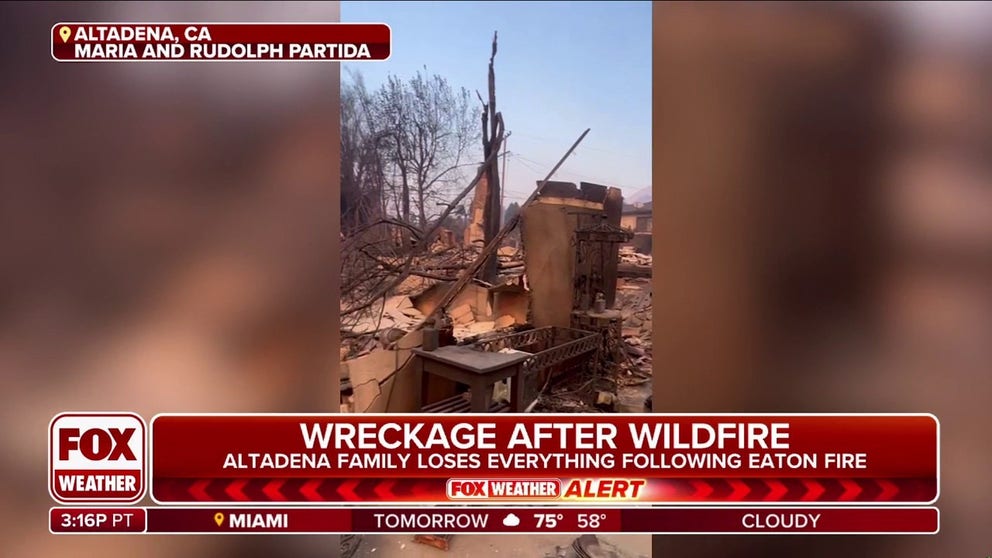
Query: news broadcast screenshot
{"type": "Point", "coordinates": [376, 279]}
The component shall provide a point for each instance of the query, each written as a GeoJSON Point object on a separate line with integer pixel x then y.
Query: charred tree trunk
{"type": "Point", "coordinates": [492, 138]}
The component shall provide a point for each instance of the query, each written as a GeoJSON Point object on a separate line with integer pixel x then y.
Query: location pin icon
{"type": "Point", "coordinates": [218, 518]}
{"type": "Point", "coordinates": [64, 32]}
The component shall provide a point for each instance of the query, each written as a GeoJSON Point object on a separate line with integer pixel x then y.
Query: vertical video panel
{"type": "Point", "coordinates": [496, 224]}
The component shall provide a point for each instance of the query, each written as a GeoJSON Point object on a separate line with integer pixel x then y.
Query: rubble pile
{"type": "Point", "coordinates": [634, 301]}
{"type": "Point", "coordinates": [391, 319]}
{"type": "Point", "coordinates": [629, 256]}
{"type": "Point", "coordinates": [635, 383]}
{"type": "Point", "coordinates": [384, 321]}
{"type": "Point", "coordinates": [633, 264]}
{"type": "Point", "coordinates": [396, 295]}
{"type": "Point", "coordinates": [468, 326]}
{"type": "Point", "coordinates": [394, 312]}
{"type": "Point", "coordinates": [625, 386]}
{"type": "Point", "coordinates": [442, 263]}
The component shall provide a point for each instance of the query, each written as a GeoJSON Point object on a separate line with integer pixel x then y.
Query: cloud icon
{"type": "Point", "coordinates": [511, 520]}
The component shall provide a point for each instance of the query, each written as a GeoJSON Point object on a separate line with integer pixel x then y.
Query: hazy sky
{"type": "Point", "coordinates": [561, 67]}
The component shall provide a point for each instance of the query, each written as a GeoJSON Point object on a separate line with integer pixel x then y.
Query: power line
{"type": "Point", "coordinates": [573, 174]}
{"type": "Point", "coordinates": [538, 167]}
{"type": "Point", "coordinates": [622, 154]}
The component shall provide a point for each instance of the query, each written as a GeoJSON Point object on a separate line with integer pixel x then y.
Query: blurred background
{"type": "Point", "coordinates": [823, 233]}
{"type": "Point", "coordinates": [169, 235]}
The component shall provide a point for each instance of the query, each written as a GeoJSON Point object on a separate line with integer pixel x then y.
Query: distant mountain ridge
{"type": "Point", "coordinates": [640, 196]}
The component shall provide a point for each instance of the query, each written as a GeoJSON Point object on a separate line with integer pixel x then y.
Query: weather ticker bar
{"type": "Point", "coordinates": [510, 520]}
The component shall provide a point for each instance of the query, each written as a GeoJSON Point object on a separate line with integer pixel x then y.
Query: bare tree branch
{"type": "Point", "coordinates": [424, 242]}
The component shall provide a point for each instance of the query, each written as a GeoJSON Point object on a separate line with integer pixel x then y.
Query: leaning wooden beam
{"type": "Point", "coordinates": [493, 245]}
{"type": "Point", "coordinates": [490, 248]}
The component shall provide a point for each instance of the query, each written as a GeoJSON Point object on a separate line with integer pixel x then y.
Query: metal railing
{"type": "Point", "coordinates": [549, 346]}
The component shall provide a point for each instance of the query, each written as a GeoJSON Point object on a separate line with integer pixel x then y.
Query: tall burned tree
{"type": "Point", "coordinates": [492, 140]}
{"type": "Point", "coordinates": [402, 146]}
{"type": "Point", "coordinates": [429, 134]}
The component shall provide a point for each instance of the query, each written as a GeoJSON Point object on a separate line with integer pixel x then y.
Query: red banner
{"type": "Point", "coordinates": [562, 458]}
{"type": "Point", "coordinates": [530, 520]}
{"type": "Point", "coordinates": [118, 42]}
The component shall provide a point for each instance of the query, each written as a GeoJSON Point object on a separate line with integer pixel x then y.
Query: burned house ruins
{"type": "Point", "coordinates": [561, 330]}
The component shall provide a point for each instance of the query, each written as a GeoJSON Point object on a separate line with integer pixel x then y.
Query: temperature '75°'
{"type": "Point", "coordinates": [548, 520]}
